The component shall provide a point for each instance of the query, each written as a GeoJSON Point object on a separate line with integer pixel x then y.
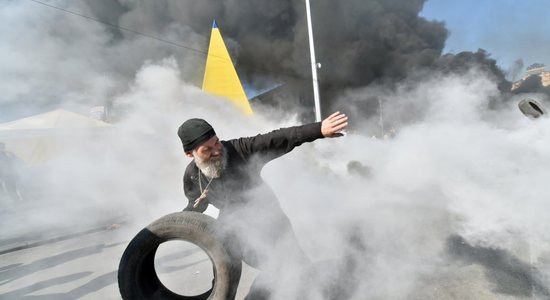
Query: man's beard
{"type": "Point", "coordinates": [212, 167]}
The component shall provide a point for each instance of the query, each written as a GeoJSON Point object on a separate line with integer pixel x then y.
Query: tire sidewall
{"type": "Point", "coordinates": [137, 277]}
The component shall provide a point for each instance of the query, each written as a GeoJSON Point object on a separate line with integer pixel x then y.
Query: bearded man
{"type": "Point", "coordinates": [226, 174]}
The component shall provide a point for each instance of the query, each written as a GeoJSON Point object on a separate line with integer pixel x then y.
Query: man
{"type": "Point", "coordinates": [226, 174]}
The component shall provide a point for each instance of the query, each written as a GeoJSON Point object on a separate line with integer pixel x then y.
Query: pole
{"type": "Point", "coordinates": [313, 66]}
{"type": "Point", "coordinates": [381, 120]}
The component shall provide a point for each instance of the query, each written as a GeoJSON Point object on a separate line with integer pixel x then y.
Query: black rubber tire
{"type": "Point", "coordinates": [137, 278]}
{"type": "Point", "coordinates": [532, 109]}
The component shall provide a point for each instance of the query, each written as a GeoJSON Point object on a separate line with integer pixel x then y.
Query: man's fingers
{"type": "Point", "coordinates": [338, 117]}
{"type": "Point", "coordinates": [340, 127]}
{"type": "Point", "coordinates": [339, 121]}
{"type": "Point", "coordinates": [333, 114]}
{"type": "Point", "coordinates": [333, 124]}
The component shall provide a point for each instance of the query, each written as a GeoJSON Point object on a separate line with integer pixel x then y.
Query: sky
{"type": "Point", "coordinates": [508, 29]}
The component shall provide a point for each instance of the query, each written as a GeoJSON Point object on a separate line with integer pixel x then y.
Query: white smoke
{"type": "Point", "coordinates": [454, 166]}
{"type": "Point", "coordinates": [52, 58]}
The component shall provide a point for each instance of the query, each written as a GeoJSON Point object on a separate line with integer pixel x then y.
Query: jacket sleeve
{"type": "Point", "coordinates": [192, 191]}
{"type": "Point", "coordinates": [278, 142]}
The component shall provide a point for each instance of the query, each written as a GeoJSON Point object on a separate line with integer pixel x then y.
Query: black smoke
{"type": "Point", "coordinates": [358, 42]}
{"type": "Point", "coordinates": [532, 84]}
{"type": "Point", "coordinates": [464, 61]}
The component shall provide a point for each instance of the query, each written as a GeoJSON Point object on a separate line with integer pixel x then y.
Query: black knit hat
{"type": "Point", "coordinates": [194, 132]}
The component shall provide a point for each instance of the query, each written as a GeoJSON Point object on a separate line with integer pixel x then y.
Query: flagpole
{"type": "Point", "coordinates": [313, 66]}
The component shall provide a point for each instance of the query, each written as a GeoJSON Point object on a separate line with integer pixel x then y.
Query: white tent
{"type": "Point", "coordinates": [59, 118]}
{"type": "Point", "coordinates": [35, 139]}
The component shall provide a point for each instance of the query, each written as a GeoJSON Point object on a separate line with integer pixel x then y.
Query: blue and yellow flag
{"type": "Point", "coordinates": [220, 76]}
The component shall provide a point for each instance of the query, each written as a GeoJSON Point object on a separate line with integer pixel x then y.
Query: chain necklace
{"type": "Point", "coordinates": [204, 192]}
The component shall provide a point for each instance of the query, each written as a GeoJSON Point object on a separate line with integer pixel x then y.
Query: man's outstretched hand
{"type": "Point", "coordinates": [334, 124]}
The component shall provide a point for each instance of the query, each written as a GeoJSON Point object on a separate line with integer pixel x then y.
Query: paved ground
{"type": "Point", "coordinates": [82, 262]}
{"type": "Point", "coordinates": [84, 266]}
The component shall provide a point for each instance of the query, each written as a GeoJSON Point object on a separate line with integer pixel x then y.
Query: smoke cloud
{"type": "Point", "coordinates": [455, 168]}
{"type": "Point", "coordinates": [358, 43]}
{"type": "Point", "coordinates": [452, 199]}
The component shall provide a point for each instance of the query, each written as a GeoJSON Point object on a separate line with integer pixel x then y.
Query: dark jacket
{"type": "Point", "coordinates": [251, 220]}
{"type": "Point", "coordinates": [245, 160]}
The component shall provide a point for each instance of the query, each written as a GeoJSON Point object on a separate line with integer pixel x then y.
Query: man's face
{"type": "Point", "coordinates": [212, 148]}
{"type": "Point", "coordinates": [209, 157]}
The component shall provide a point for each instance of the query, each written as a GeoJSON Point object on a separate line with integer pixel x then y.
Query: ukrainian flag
{"type": "Point", "coordinates": [220, 76]}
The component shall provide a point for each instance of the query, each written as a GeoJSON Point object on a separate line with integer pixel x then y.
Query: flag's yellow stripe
{"type": "Point", "coordinates": [220, 76]}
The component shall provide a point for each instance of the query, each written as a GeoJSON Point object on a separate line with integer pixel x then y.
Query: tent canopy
{"type": "Point", "coordinates": [58, 118]}
{"type": "Point", "coordinates": [37, 139]}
